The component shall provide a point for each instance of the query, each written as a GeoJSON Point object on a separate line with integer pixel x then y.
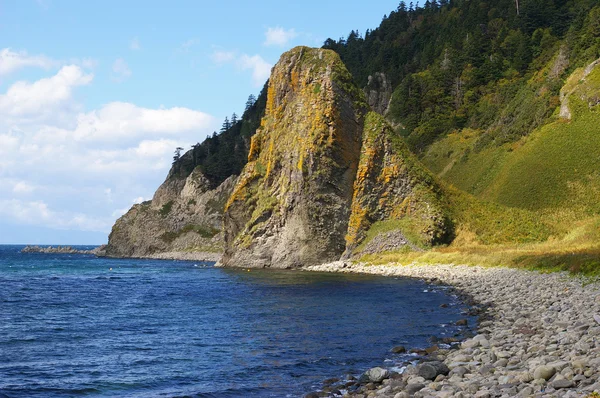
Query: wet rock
{"type": "Point", "coordinates": [399, 349]}
{"type": "Point", "coordinates": [376, 375]}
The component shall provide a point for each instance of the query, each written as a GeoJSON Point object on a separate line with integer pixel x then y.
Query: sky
{"type": "Point", "coordinates": [95, 96]}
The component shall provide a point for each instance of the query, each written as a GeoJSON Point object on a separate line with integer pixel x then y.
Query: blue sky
{"type": "Point", "coordinates": [94, 96]}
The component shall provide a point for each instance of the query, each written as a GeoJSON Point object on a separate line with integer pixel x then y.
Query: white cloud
{"type": "Point", "coordinates": [261, 69]}
{"type": "Point", "coordinates": [122, 121]}
{"type": "Point", "coordinates": [278, 36]}
{"type": "Point", "coordinates": [120, 70]}
{"type": "Point", "coordinates": [44, 96]}
{"type": "Point", "coordinates": [79, 166]}
{"type": "Point", "coordinates": [22, 187]}
{"type": "Point", "coordinates": [221, 57]}
{"type": "Point", "coordinates": [38, 213]}
{"type": "Point", "coordinates": [135, 44]}
{"type": "Point", "coordinates": [11, 61]}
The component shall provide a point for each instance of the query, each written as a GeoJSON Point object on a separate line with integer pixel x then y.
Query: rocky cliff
{"type": "Point", "coordinates": [396, 200]}
{"type": "Point", "coordinates": [185, 215]}
{"type": "Point", "coordinates": [292, 202]}
{"type": "Point", "coordinates": [321, 171]}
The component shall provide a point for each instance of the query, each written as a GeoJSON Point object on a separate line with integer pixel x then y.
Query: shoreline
{"type": "Point", "coordinates": [537, 336]}
{"type": "Point", "coordinates": [183, 256]}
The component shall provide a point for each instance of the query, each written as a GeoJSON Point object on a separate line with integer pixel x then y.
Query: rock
{"type": "Point", "coordinates": [399, 349]}
{"type": "Point", "coordinates": [312, 395]}
{"type": "Point", "coordinates": [470, 344]}
{"type": "Point", "coordinates": [414, 387]}
{"type": "Point", "coordinates": [430, 370]}
{"type": "Point", "coordinates": [379, 92]}
{"type": "Point", "coordinates": [563, 383]}
{"type": "Point", "coordinates": [544, 372]}
{"type": "Point", "coordinates": [402, 394]}
{"type": "Point", "coordinates": [186, 213]}
{"type": "Point", "coordinates": [459, 370]}
{"type": "Point", "coordinates": [376, 375]}
{"type": "Point", "coordinates": [331, 381]}
{"type": "Point", "coordinates": [280, 214]}
{"type": "Point", "coordinates": [461, 322]}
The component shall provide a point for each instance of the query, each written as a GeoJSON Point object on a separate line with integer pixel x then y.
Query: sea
{"type": "Point", "coordinates": [74, 325]}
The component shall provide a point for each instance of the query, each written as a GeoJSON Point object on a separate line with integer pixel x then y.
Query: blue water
{"type": "Point", "coordinates": [71, 326]}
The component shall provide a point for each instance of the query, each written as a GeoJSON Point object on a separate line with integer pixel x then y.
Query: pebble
{"type": "Point", "coordinates": [537, 336]}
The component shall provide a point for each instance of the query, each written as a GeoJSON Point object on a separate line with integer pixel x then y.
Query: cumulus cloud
{"type": "Point", "coordinates": [134, 44]}
{"type": "Point", "coordinates": [38, 213]}
{"type": "Point", "coordinates": [11, 61]}
{"type": "Point", "coordinates": [120, 70]}
{"type": "Point", "coordinates": [44, 96]}
{"type": "Point", "coordinates": [279, 36]}
{"type": "Point", "coordinates": [261, 69]}
{"type": "Point", "coordinates": [122, 121]}
{"type": "Point", "coordinates": [66, 168]}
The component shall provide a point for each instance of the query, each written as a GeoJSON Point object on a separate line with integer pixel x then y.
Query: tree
{"type": "Point", "coordinates": [226, 125]}
{"type": "Point", "coordinates": [177, 154]}
{"type": "Point", "coordinates": [234, 118]}
{"type": "Point", "coordinates": [250, 102]}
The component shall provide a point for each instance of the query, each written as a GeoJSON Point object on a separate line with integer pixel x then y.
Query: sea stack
{"type": "Point", "coordinates": [291, 204]}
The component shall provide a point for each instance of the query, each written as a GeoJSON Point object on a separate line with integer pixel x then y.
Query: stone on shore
{"type": "Point", "coordinates": [536, 336]}
{"type": "Point", "coordinates": [430, 370]}
{"type": "Point", "coordinates": [376, 375]}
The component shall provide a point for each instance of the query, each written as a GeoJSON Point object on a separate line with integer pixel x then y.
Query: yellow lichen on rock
{"type": "Point", "coordinates": [300, 204]}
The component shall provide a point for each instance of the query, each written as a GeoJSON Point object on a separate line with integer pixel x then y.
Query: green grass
{"type": "Point", "coordinates": [409, 228]}
{"type": "Point", "coordinates": [166, 208]}
{"type": "Point", "coordinates": [557, 166]}
{"type": "Point", "coordinates": [204, 231]}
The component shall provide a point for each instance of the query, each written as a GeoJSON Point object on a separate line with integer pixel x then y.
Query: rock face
{"type": "Point", "coordinates": [185, 215]}
{"type": "Point", "coordinates": [322, 170]}
{"type": "Point", "coordinates": [292, 202]}
{"type": "Point", "coordinates": [393, 189]}
{"type": "Point", "coordinates": [379, 92]}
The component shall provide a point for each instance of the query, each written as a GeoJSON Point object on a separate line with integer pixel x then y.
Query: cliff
{"type": "Point", "coordinates": [291, 204]}
{"type": "Point", "coordinates": [185, 215]}
{"type": "Point", "coordinates": [396, 200]}
{"type": "Point", "coordinates": [321, 170]}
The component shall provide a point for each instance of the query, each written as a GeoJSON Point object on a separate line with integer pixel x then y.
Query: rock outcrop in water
{"type": "Point", "coordinates": [185, 215]}
{"type": "Point", "coordinates": [321, 171]}
{"type": "Point", "coordinates": [98, 251]}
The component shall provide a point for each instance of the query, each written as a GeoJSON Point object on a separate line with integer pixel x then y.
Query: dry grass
{"type": "Point", "coordinates": [577, 252]}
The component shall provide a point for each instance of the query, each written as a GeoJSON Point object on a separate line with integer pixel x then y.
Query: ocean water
{"type": "Point", "coordinates": [76, 325]}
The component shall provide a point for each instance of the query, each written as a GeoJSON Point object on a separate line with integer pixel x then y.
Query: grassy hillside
{"type": "Point", "coordinates": [557, 166]}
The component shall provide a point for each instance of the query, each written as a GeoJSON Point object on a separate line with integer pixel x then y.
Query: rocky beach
{"type": "Point", "coordinates": [538, 336]}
